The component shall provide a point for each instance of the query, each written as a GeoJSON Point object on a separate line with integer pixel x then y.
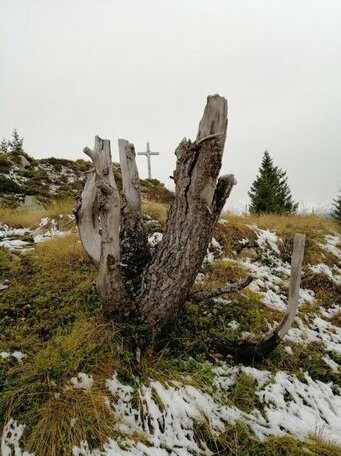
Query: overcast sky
{"type": "Point", "coordinates": [141, 70]}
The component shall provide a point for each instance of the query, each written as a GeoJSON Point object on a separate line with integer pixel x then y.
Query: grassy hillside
{"type": "Point", "coordinates": [51, 179]}
{"type": "Point", "coordinates": [67, 382]}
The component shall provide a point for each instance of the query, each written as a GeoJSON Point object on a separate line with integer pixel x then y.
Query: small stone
{"type": "Point", "coordinates": [24, 162]}
{"type": "Point", "coordinates": [31, 203]}
{"type": "Point", "coordinates": [248, 252]}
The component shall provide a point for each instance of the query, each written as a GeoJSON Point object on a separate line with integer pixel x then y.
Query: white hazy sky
{"type": "Point", "coordinates": [141, 70]}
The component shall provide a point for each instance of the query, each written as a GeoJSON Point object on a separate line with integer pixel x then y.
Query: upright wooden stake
{"type": "Point", "coordinates": [294, 285]}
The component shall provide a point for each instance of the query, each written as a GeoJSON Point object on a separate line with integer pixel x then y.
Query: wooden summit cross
{"type": "Point", "coordinates": [148, 154]}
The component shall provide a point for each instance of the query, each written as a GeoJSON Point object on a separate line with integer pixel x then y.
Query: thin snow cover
{"type": "Point", "coordinates": [331, 363]}
{"type": "Point", "coordinates": [82, 381]}
{"type": "Point", "coordinates": [319, 330]}
{"type": "Point", "coordinates": [233, 324]}
{"type": "Point", "coordinates": [51, 233]}
{"type": "Point", "coordinates": [155, 238]}
{"type": "Point", "coordinates": [312, 407]}
{"type": "Point", "coordinates": [265, 238]}
{"type": "Point", "coordinates": [164, 415]}
{"type": "Point", "coordinates": [10, 237]}
{"type": "Point", "coordinates": [215, 244]}
{"type": "Point", "coordinates": [333, 272]}
{"type": "Point", "coordinates": [267, 284]}
{"type": "Point", "coordinates": [331, 244]}
{"type": "Point", "coordinates": [5, 355]}
{"type": "Point", "coordinates": [167, 413]}
{"type": "Point", "coordinates": [213, 250]}
{"type": "Point", "coordinates": [288, 349]}
{"type": "Point", "coordinates": [331, 311]}
{"type": "Point", "coordinates": [7, 232]}
{"type": "Point", "coordinates": [18, 355]}
{"type": "Point", "coordinates": [3, 286]}
{"type": "Point", "coordinates": [10, 441]}
{"type": "Point", "coordinates": [271, 282]}
{"type": "Point", "coordinates": [199, 278]}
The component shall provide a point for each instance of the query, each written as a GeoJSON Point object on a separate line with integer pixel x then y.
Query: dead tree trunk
{"type": "Point", "coordinates": [114, 236]}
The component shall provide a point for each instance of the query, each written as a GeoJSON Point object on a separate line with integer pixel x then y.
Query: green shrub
{"type": "Point", "coordinates": [9, 186]}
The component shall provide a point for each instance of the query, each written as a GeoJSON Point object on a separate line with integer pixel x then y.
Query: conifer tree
{"type": "Point", "coordinates": [336, 214]}
{"type": "Point", "coordinates": [3, 146]}
{"type": "Point", "coordinates": [270, 191]}
{"type": "Point", "coordinates": [16, 145]}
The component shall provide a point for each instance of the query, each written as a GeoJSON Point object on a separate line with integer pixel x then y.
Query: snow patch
{"type": "Point", "coordinates": [18, 355]}
{"type": "Point", "coordinates": [155, 238]}
{"type": "Point", "coordinates": [10, 441]}
{"type": "Point", "coordinates": [82, 381]}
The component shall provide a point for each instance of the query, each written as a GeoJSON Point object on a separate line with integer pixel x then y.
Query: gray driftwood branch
{"type": "Point", "coordinates": [204, 295]}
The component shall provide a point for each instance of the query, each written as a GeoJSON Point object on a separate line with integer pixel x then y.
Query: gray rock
{"type": "Point", "coordinates": [24, 162]}
{"type": "Point", "coordinates": [248, 252]}
{"type": "Point", "coordinates": [31, 203]}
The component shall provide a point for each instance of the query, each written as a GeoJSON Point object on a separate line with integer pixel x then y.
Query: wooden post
{"type": "Point", "coordinates": [294, 285]}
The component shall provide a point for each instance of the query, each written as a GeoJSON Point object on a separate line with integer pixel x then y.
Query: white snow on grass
{"type": "Point", "coordinates": [82, 381]}
{"type": "Point", "coordinates": [18, 355]}
{"type": "Point", "coordinates": [319, 330]}
{"type": "Point", "coordinates": [13, 244]}
{"type": "Point", "coordinates": [10, 237]}
{"type": "Point", "coordinates": [155, 238]}
{"type": "Point", "coordinates": [7, 232]}
{"type": "Point", "coordinates": [331, 363]}
{"type": "Point", "coordinates": [332, 272]}
{"type": "Point", "coordinates": [331, 243]}
{"type": "Point", "coordinates": [4, 355]}
{"type": "Point", "coordinates": [10, 441]}
{"type": "Point", "coordinates": [167, 413]}
{"type": "Point", "coordinates": [266, 238]}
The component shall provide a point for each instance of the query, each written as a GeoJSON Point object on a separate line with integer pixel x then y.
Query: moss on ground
{"type": "Point", "coordinates": [51, 313]}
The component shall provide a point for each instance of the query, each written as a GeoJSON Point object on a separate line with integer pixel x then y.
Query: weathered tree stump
{"type": "Point", "coordinates": [112, 232]}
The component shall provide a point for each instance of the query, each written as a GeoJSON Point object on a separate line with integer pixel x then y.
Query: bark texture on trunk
{"type": "Point", "coordinates": [135, 251]}
{"type": "Point", "coordinates": [103, 220]}
{"type": "Point", "coordinates": [87, 219]}
{"type": "Point", "coordinates": [193, 213]}
{"type": "Point", "coordinates": [147, 290]}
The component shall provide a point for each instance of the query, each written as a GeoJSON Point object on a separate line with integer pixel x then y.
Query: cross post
{"type": "Point", "coordinates": [148, 154]}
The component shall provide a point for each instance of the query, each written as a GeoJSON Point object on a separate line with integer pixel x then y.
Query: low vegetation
{"type": "Point", "coordinates": [50, 313]}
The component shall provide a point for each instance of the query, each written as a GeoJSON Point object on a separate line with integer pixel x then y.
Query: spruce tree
{"type": "Point", "coordinates": [270, 191]}
{"type": "Point", "coordinates": [3, 146]}
{"type": "Point", "coordinates": [16, 145]}
{"type": "Point", "coordinates": [336, 214]}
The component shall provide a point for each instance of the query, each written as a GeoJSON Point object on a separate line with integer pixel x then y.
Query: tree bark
{"type": "Point", "coordinates": [135, 251]}
{"type": "Point", "coordinates": [193, 213]}
{"type": "Point", "coordinates": [87, 219]}
{"type": "Point", "coordinates": [198, 296]}
{"type": "Point", "coordinates": [147, 292]}
{"type": "Point", "coordinates": [103, 219]}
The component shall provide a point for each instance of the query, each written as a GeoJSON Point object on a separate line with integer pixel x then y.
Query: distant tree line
{"type": "Point", "coordinates": [14, 145]}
